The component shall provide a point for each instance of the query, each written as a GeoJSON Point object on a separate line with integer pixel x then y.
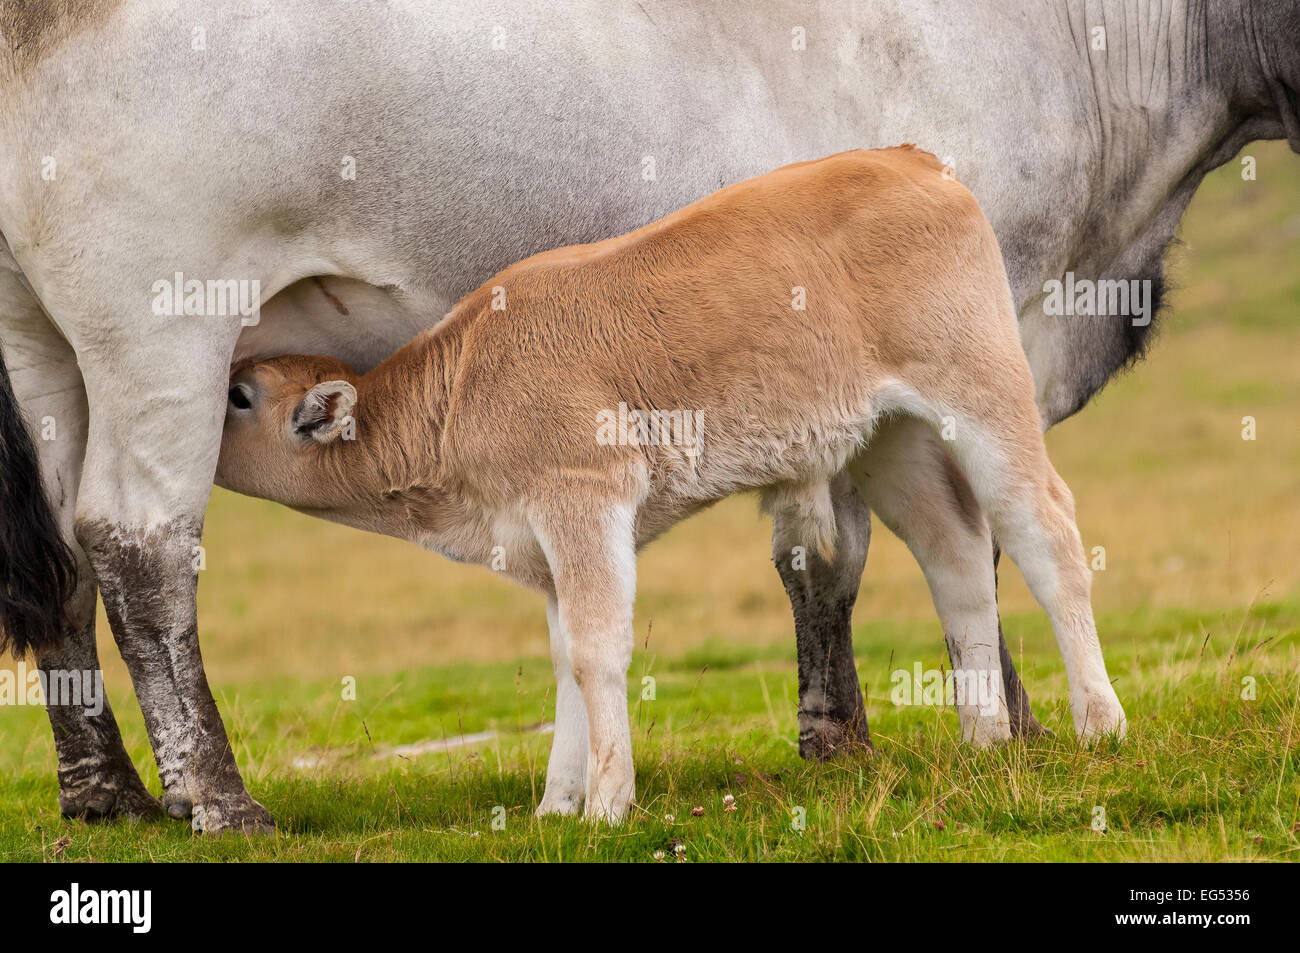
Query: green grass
{"type": "Point", "coordinates": [1205, 774]}
{"type": "Point", "coordinates": [1201, 590]}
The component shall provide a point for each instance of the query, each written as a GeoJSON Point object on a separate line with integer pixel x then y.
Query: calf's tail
{"type": "Point", "coordinates": [37, 569]}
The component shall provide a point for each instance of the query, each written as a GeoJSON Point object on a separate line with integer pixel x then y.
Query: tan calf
{"type": "Point", "coordinates": [845, 316]}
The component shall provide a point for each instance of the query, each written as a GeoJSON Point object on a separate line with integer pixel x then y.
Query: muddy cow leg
{"type": "Point", "coordinates": [156, 389]}
{"type": "Point", "coordinates": [832, 717]}
{"type": "Point", "coordinates": [1023, 722]}
{"type": "Point", "coordinates": [97, 780]}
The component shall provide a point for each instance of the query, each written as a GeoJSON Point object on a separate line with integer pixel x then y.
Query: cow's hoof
{"type": "Point", "coordinates": [1029, 727]}
{"type": "Point", "coordinates": [177, 804]}
{"type": "Point", "coordinates": [987, 732]}
{"type": "Point", "coordinates": [109, 796]}
{"type": "Point", "coordinates": [241, 815]}
{"type": "Point", "coordinates": [821, 739]}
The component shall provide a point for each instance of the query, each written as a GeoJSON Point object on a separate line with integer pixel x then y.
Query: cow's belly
{"type": "Point", "coordinates": [351, 320]}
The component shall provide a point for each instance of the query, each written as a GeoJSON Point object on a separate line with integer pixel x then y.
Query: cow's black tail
{"type": "Point", "coordinates": [37, 569]}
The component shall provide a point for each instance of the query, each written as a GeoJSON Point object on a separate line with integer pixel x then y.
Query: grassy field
{"type": "Point", "coordinates": [1198, 605]}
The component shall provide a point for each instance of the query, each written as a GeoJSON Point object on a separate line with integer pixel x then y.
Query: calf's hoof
{"type": "Point", "coordinates": [610, 814]}
{"type": "Point", "coordinates": [560, 801]}
{"type": "Point", "coordinates": [611, 800]}
{"type": "Point", "coordinates": [1098, 714]}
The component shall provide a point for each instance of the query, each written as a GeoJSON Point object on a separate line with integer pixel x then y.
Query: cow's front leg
{"type": "Point", "coordinates": [97, 779]}
{"type": "Point", "coordinates": [832, 717]}
{"type": "Point", "coordinates": [589, 543]}
{"type": "Point", "coordinates": [157, 399]}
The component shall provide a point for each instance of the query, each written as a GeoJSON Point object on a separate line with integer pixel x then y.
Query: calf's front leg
{"type": "Point", "coordinates": [566, 773]}
{"type": "Point", "coordinates": [590, 547]}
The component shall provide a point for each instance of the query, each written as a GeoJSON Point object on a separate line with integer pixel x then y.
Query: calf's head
{"type": "Point", "coordinates": [284, 419]}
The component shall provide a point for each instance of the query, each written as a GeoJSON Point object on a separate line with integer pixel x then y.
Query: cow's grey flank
{"type": "Point", "coordinates": [29, 29]}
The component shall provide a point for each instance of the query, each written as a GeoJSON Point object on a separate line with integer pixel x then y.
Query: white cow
{"type": "Point", "coordinates": [358, 165]}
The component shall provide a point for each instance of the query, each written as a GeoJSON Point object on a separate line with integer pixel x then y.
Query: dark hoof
{"type": "Point", "coordinates": [1030, 728]}
{"type": "Point", "coordinates": [240, 815]}
{"type": "Point", "coordinates": [826, 738]}
{"type": "Point", "coordinates": [110, 798]}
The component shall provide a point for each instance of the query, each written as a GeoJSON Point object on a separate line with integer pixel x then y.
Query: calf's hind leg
{"type": "Point", "coordinates": [910, 482]}
{"type": "Point", "coordinates": [1031, 513]}
{"type": "Point", "coordinates": [832, 718]}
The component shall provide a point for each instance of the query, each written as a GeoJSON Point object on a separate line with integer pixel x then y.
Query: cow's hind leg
{"type": "Point", "coordinates": [1023, 722]}
{"type": "Point", "coordinates": [97, 779]}
{"type": "Point", "coordinates": [832, 717]}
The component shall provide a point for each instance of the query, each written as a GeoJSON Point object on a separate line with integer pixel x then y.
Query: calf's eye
{"type": "Point", "coordinates": [239, 397]}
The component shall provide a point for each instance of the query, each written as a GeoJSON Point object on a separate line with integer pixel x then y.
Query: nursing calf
{"type": "Point", "coordinates": [818, 323]}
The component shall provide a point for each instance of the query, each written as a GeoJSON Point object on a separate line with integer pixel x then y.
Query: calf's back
{"type": "Point", "coordinates": [775, 310]}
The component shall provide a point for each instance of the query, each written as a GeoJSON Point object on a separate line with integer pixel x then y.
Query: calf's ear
{"type": "Point", "coordinates": [324, 411]}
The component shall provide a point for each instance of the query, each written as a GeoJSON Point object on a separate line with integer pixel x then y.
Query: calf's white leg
{"type": "Point", "coordinates": [1031, 512]}
{"type": "Point", "coordinates": [590, 547]}
{"type": "Point", "coordinates": [910, 482]}
{"type": "Point", "coordinates": [566, 773]}
{"type": "Point", "coordinates": [1038, 532]}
